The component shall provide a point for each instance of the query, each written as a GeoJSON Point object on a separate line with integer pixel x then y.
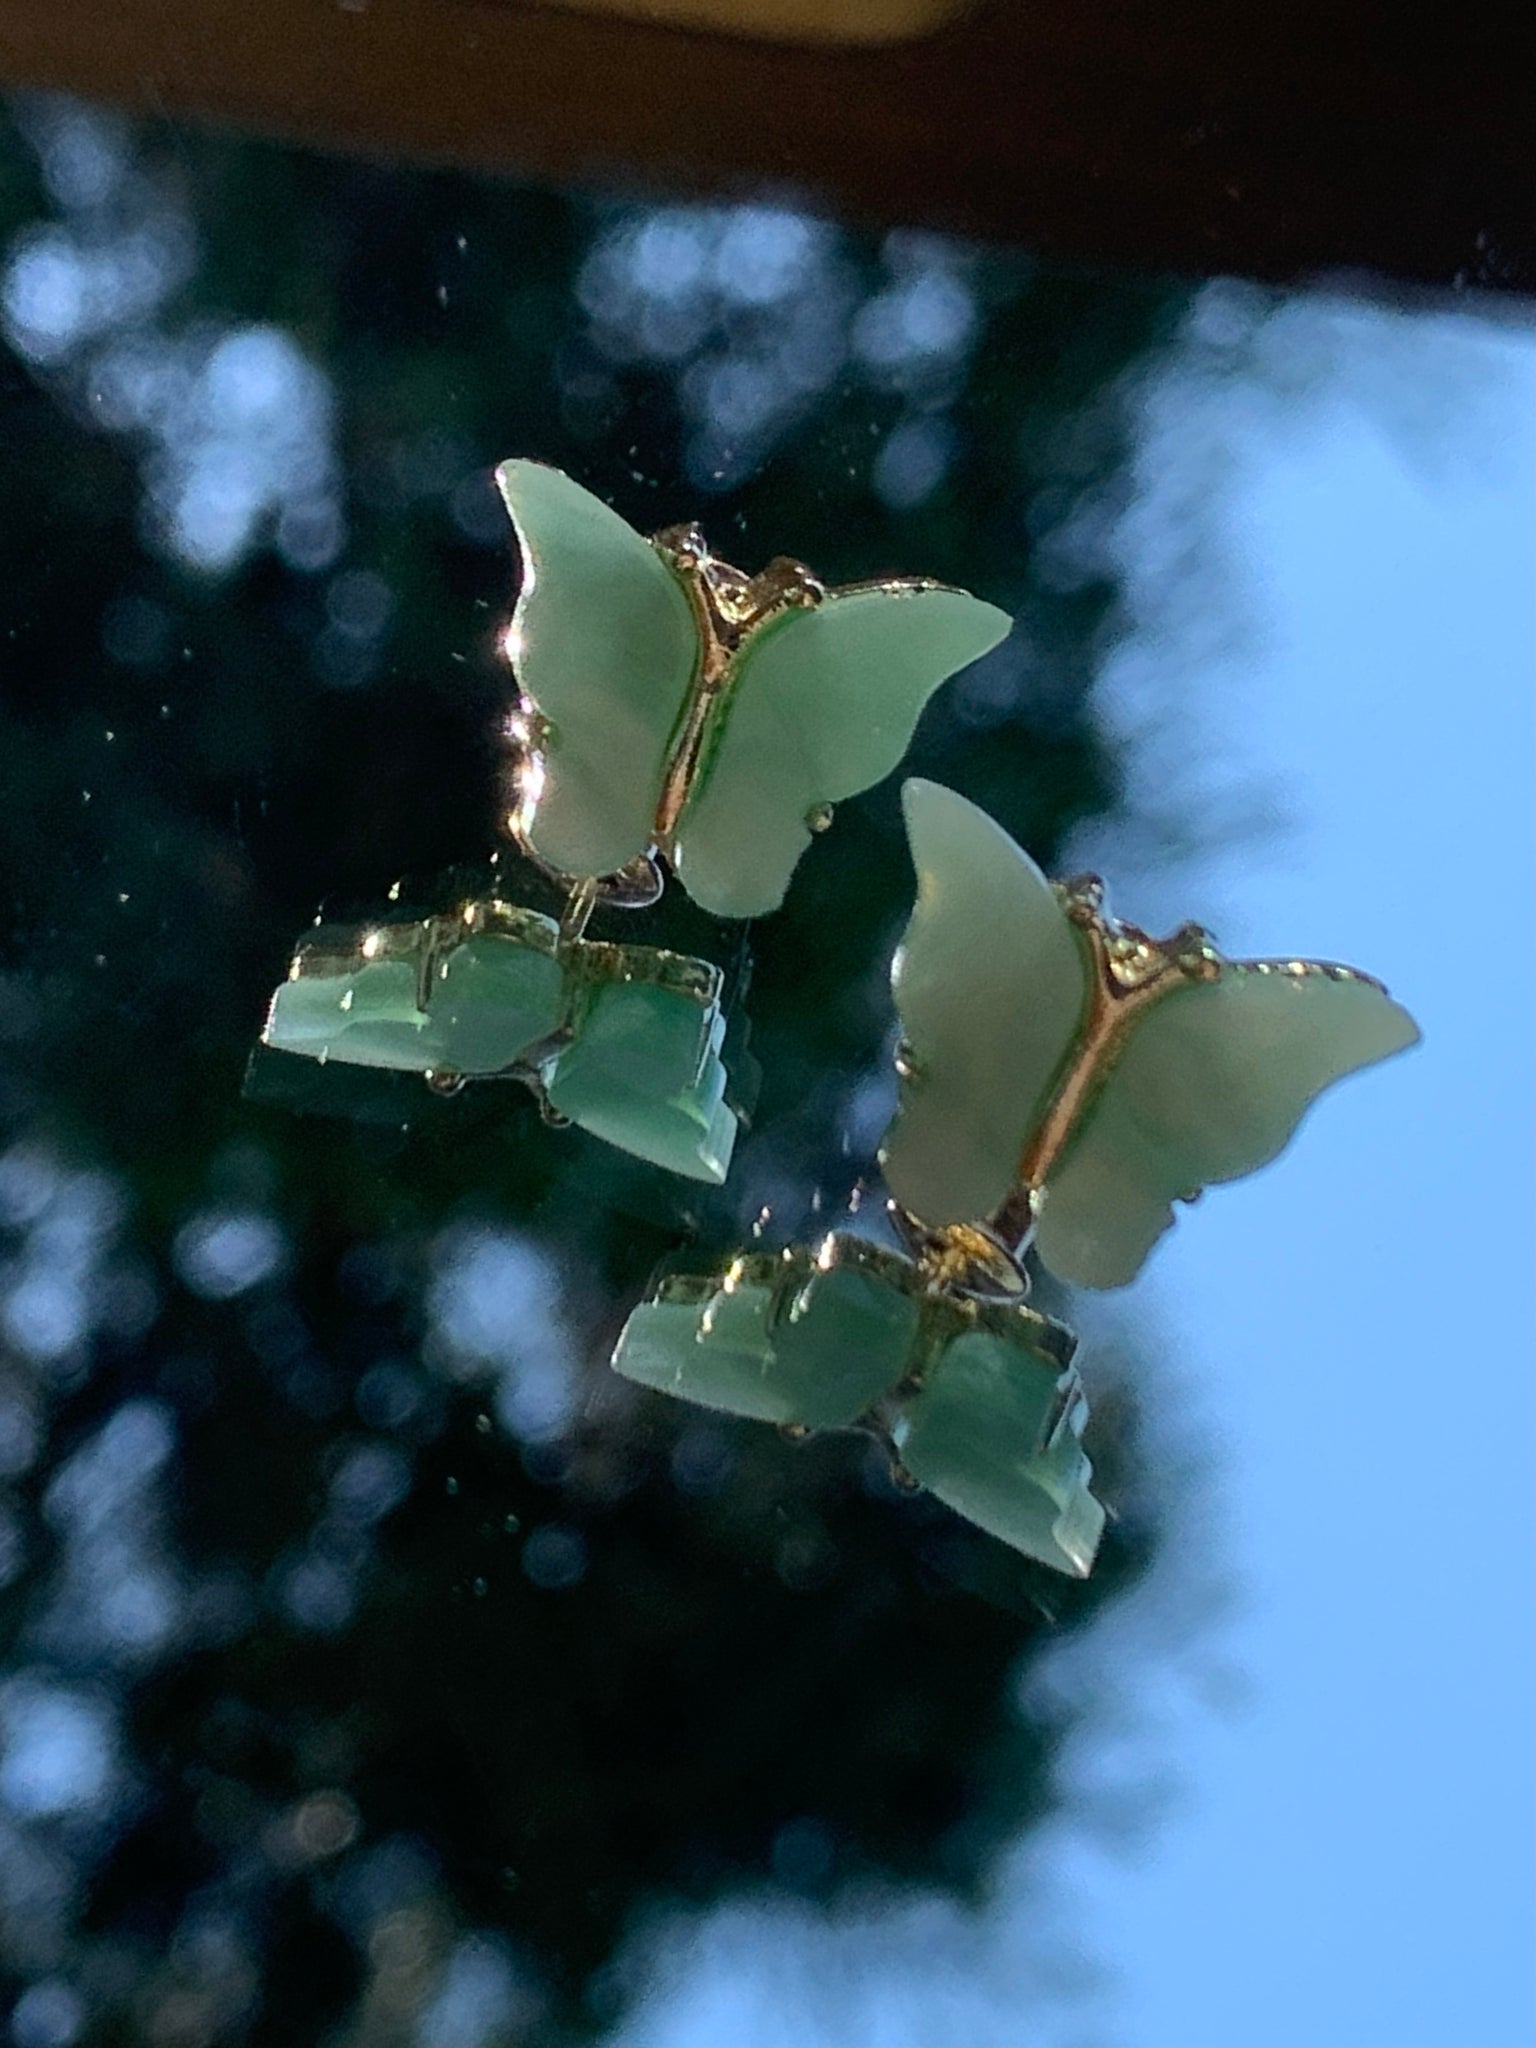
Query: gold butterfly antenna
{"type": "Point", "coordinates": [728, 602]}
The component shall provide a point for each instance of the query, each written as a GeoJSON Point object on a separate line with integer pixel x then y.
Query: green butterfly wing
{"type": "Point", "coordinates": [605, 648]}
{"type": "Point", "coordinates": [645, 1071]}
{"type": "Point", "coordinates": [821, 703]}
{"type": "Point", "coordinates": [377, 997]}
{"type": "Point", "coordinates": [990, 982]}
{"type": "Point", "coordinates": [497, 995]}
{"type": "Point", "coordinates": [627, 1042]}
{"type": "Point", "coordinates": [995, 1432]}
{"type": "Point", "coordinates": [773, 1339]}
{"type": "Point", "coordinates": [365, 1015]}
{"type": "Point", "coordinates": [993, 1429]}
{"type": "Point", "coordinates": [1212, 1083]}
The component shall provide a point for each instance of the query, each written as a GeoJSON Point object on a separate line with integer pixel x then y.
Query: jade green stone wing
{"type": "Point", "coordinates": [645, 1072]}
{"type": "Point", "coordinates": [365, 1017]}
{"type": "Point", "coordinates": [622, 1053]}
{"type": "Point", "coordinates": [993, 1430]}
{"type": "Point", "coordinates": [494, 999]}
{"type": "Point", "coordinates": [716, 1353]}
{"type": "Point", "coordinates": [487, 1001]}
{"type": "Point", "coordinates": [990, 982]}
{"type": "Point", "coordinates": [821, 703]}
{"type": "Point", "coordinates": [995, 1433]}
{"type": "Point", "coordinates": [799, 1346]}
{"type": "Point", "coordinates": [605, 646]}
{"type": "Point", "coordinates": [1211, 1084]}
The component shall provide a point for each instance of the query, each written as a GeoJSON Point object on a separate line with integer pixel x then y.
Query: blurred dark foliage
{"type": "Point", "coordinates": [370, 1670]}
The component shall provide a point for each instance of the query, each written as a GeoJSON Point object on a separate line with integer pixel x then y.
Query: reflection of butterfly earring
{"type": "Point", "coordinates": [1065, 1077]}
{"type": "Point", "coordinates": [670, 708]}
{"type": "Point", "coordinates": [628, 1042]}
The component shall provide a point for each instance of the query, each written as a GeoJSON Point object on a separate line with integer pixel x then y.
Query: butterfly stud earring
{"type": "Point", "coordinates": [1067, 1079]}
{"type": "Point", "coordinates": [973, 1392]}
{"type": "Point", "coordinates": [629, 1043]}
{"type": "Point", "coordinates": [672, 712]}
{"type": "Point", "coordinates": [673, 708]}
{"type": "Point", "coordinates": [1063, 1077]}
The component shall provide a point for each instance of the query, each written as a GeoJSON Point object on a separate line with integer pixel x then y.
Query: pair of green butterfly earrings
{"type": "Point", "coordinates": [1064, 1078]}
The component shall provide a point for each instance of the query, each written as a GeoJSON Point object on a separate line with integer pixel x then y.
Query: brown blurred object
{"type": "Point", "coordinates": [1196, 135]}
{"type": "Point", "coordinates": [789, 21]}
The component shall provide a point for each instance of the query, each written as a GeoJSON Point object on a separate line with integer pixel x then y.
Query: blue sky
{"type": "Point", "coordinates": [1332, 1769]}
{"type": "Point", "coordinates": [1354, 1866]}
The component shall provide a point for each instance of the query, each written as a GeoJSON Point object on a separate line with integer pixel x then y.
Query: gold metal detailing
{"type": "Point", "coordinates": [678, 973]}
{"type": "Point", "coordinates": [1128, 971]}
{"type": "Point", "coordinates": [728, 606]}
{"type": "Point", "coordinates": [943, 1313]}
{"type": "Point", "coordinates": [1013, 1221]}
{"type": "Point", "coordinates": [577, 914]}
{"type": "Point", "coordinates": [1301, 970]}
{"type": "Point", "coordinates": [556, 1119]}
{"type": "Point", "coordinates": [734, 603]}
{"type": "Point", "coordinates": [961, 1258]}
